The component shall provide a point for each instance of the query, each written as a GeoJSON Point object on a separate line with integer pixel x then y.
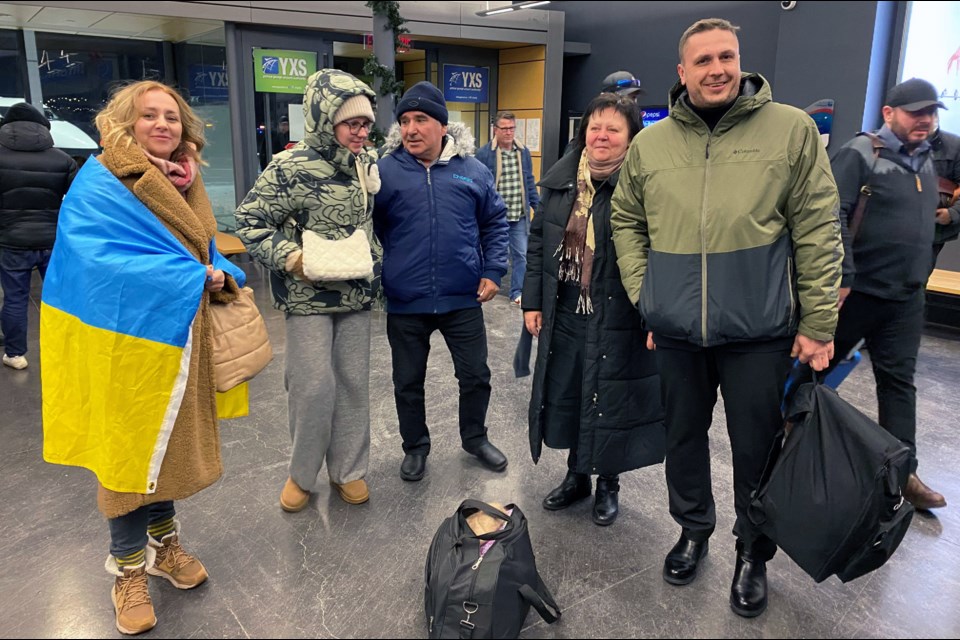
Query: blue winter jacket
{"type": "Point", "coordinates": [487, 154]}
{"type": "Point", "coordinates": [442, 228]}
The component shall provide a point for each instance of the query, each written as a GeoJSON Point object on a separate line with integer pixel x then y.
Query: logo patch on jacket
{"type": "Point", "coordinates": [737, 152]}
{"type": "Point", "coordinates": [464, 178]}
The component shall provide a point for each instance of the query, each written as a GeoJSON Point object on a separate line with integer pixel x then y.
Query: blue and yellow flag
{"type": "Point", "coordinates": [116, 333]}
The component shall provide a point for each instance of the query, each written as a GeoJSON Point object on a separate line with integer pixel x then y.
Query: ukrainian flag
{"type": "Point", "coordinates": [116, 333]}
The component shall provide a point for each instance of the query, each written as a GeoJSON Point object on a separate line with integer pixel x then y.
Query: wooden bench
{"type": "Point", "coordinates": [230, 245]}
{"type": "Point", "coordinates": [942, 281]}
{"type": "Point", "coordinates": [943, 298]}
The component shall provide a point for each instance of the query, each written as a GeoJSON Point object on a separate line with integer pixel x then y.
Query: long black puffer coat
{"type": "Point", "coordinates": [621, 419]}
{"type": "Point", "coordinates": [33, 180]}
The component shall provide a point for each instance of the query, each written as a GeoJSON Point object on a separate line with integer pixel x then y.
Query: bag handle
{"type": "Point", "coordinates": [542, 600]}
{"type": "Point", "coordinates": [493, 512]}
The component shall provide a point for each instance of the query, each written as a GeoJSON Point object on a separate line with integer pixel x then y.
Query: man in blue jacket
{"type": "Point", "coordinates": [444, 234]}
{"type": "Point", "coordinates": [512, 168]}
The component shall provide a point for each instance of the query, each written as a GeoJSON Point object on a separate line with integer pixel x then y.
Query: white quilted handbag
{"type": "Point", "coordinates": [335, 260]}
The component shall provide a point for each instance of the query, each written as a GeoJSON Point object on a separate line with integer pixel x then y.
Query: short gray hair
{"type": "Point", "coordinates": [707, 24]}
{"type": "Point", "coordinates": [504, 115]}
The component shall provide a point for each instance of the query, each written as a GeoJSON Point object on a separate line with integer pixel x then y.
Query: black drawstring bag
{"type": "Point", "coordinates": [469, 595]}
{"type": "Point", "coordinates": [831, 495]}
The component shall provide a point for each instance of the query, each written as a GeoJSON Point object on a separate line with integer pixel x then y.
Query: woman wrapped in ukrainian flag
{"type": "Point", "coordinates": [126, 337]}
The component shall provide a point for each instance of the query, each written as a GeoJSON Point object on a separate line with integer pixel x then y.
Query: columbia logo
{"type": "Point", "coordinates": [740, 151]}
{"type": "Point", "coordinates": [457, 176]}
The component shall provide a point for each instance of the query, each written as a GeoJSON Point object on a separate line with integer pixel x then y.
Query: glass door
{"type": "Point", "coordinates": [274, 66]}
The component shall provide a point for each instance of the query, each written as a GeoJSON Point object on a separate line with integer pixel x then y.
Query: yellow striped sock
{"type": "Point", "coordinates": [159, 529]}
{"type": "Point", "coordinates": [131, 560]}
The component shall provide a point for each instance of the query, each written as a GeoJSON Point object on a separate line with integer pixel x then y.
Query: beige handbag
{"type": "Point", "coordinates": [241, 346]}
{"type": "Point", "coordinates": [336, 260]}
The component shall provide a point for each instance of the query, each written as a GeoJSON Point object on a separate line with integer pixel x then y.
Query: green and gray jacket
{"type": "Point", "coordinates": [721, 235]}
{"type": "Point", "coordinates": [314, 186]}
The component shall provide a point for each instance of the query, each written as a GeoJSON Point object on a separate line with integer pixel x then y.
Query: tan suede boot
{"type": "Point", "coordinates": [131, 596]}
{"type": "Point", "coordinates": [355, 492]}
{"type": "Point", "coordinates": [176, 565]}
{"type": "Point", "coordinates": [293, 498]}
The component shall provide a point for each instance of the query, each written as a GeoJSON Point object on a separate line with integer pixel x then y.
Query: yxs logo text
{"type": "Point", "coordinates": [469, 79]}
{"type": "Point", "coordinates": [273, 65]}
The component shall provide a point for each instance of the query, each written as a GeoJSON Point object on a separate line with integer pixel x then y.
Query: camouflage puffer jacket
{"type": "Point", "coordinates": [314, 185]}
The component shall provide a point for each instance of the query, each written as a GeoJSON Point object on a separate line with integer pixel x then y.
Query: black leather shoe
{"type": "Point", "coordinates": [490, 457]}
{"type": "Point", "coordinates": [606, 507]}
{"type": "Point", "coordinates": [413, 467]}
{"type": "Point", "coordinates": [575, 487]}
{"type": "Point", "coordinates": [748, 593]}
{"type": "Point", "coordinates": [680, 565]}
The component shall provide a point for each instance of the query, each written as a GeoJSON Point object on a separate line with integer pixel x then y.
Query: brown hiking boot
{"type": "Point", "coordinates": [293, 498]}
{"type": "Point", "coordinates": [176, 565]}
{"type": "Point", "coordinates": [921, 496]}
{"type": "Point", "coordinates": [355, 492]}
{"type": "Point", "coordinates": [131, 597]}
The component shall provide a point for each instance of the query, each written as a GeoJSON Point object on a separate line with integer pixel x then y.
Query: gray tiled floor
{"type": "Point", "coordinates": [337, 570]}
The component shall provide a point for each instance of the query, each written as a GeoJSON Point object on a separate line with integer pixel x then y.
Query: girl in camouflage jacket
{"type": "Point", "coordinates": [325, 183]}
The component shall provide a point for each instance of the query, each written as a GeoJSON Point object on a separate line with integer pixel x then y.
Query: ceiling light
{"type": "Point", "coordinates": [529, 4]}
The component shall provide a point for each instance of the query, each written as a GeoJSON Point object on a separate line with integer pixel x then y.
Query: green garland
{"type": "Point", "coordinates": [372, 66]}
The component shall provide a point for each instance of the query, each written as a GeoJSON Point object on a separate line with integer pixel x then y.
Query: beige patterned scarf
{"type": "Point", "coordinates": [578, 246]}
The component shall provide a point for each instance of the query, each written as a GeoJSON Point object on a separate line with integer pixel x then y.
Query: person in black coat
{"type": "Point", "coordinates": [34, 177]}
{"type": "Point", "coordinates": [596, 390]}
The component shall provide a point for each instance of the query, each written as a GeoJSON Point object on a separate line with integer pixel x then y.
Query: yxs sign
{"type": "Point", "coordinates": [465, 84]}
{"type": "Point", "coordinates": [280, 71]}
{"type": "Point", "coordinates": [209, 82]}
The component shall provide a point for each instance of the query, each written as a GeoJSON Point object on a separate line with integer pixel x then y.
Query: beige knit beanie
{"type": "Point", "coordinates": [354, 107]}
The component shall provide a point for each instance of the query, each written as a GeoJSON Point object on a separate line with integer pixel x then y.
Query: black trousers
{"type": "Point", "coordinates": [466, 337]}
{"type": "Point", "coordinates": [752, 386]}
{"type": "Point", "coordinates": [891, 330]}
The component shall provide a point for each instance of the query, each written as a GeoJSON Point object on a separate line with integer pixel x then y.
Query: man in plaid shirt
{"type": "Point", "coordinates": [512, 167]}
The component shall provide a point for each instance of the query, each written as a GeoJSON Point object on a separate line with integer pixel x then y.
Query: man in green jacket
{"type": "Point", "coordinates": [727, 236]}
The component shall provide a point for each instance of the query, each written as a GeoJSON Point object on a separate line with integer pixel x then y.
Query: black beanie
{"type": "Point", "coordinates": [24, 112]}
{"type": "Point", "coordinates": [424, 97]}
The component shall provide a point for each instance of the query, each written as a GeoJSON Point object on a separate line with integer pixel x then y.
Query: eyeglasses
{"type": "Point", "coordinates": [355, 126]}
{"type": "Point", "coordinates": [507, 129]}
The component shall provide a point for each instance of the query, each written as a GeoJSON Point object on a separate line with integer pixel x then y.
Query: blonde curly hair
{"type": "Point", "coordinates": [116, 120]}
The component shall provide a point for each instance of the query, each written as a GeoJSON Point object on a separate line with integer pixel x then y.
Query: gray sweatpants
{"type": "Point", "coordinates": [327, 378]}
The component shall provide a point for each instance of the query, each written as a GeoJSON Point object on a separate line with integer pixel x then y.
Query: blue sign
{"type": "Point", "coordinates": [651, 115]}
{"type": "Point", "coordinates": [208, 82]}
{"type": "Point", "coordinates": [465, 84]}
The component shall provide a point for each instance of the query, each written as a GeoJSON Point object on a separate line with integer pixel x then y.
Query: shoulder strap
{"type": "Point", "coordinates": [860, 210]}
{"type": "Point", "coordinates": [542, 600]}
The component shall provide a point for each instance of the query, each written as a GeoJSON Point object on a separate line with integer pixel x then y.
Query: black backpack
{"type": "Point", "coordinates": [469, 596]}
{"type": "Point", "coordinates": [831, 495]}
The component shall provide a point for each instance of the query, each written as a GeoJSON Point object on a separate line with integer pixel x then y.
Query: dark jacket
{"type": "Point", "coordinates": [621, 420]}
{"type": "Point", "coordinates": [34, 177]}
{"type": "Point", "coordinates": [891, 256]}
{"type": "Point", "coordinates": [487, 154]}
{"type": "Point", "coordinates": [946, 161]}
{"type": "Point", "coordinates": [442, 228]}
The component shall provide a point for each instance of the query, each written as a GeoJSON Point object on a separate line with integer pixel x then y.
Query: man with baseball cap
{"type": "Point", "coordinates": [887, 256]}
{"type": "Point", "coordinates": [444, 234]}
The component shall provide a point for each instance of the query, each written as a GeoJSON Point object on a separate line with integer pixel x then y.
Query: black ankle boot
{"type": "Point", "coordinates": [748, 593]}
{"type": "Point", "coordinates": [606, 506]}
{"type": "Point", "coordinates": [575, 487]}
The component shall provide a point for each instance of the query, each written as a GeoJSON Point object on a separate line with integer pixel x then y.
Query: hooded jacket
{"type": "Point", "coordinates": [731, 235]}
{"type": "Point", "coordinates": [443, 228]}
{"type": "Point", "coordinates": [34, 177]}
{"type": "Point", "coordinates": [314, 185]}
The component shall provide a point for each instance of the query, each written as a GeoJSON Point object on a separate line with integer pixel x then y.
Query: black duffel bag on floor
{"type": "Point", "coordinates": [483, 585]}
{"type": "Point", "coordinates": [831, 495]}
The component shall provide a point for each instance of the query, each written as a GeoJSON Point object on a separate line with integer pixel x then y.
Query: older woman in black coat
{"type": "Point", "coordinates": [596, 390]}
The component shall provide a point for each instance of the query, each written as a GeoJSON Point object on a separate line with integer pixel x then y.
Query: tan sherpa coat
{"type": "Point", "coordinates": [192, 461]}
